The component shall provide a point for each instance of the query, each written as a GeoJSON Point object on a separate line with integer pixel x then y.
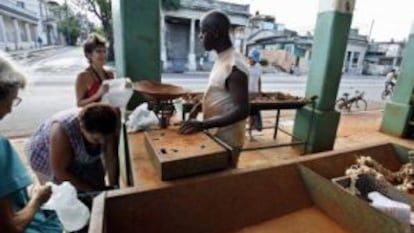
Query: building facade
{"type": "Point", "coordinates": [18, 24]}
{"type": "Point", "coordinates": [356, 50]}
{"type": "Point", "coordinates": [292, 53]}
{"type": "Point", "coordinates": [180, 47]}
{"type": "Point", "coordinates": [49, 16]}
{"type": "Point", "coordinates": [23, 22]}
{"type": "Point", "coordinates": [383, 56]}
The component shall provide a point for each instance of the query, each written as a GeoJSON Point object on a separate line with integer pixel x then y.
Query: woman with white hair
{"type": "Point", "coordinates": [18, 212]}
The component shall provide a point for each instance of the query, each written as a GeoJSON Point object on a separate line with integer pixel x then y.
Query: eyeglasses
{"type": "Point", "coordinates": [16, 101]}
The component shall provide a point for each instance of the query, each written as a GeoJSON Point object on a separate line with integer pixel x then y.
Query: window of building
{"type": "Point", "coordinates": [348, 56]}
{"type": "Point", "coordinates": [2, 34]}
{"type": "Point", "coordinates": [20, 4]}
{"type": "Point", "coordinates": [355, 59]}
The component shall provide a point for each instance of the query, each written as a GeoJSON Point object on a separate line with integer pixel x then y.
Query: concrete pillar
{"type": "Point", "coordinates": [163, 41]}
{"type": "Point", "coordinates": [28, 32]}
{"type": "Point", "coordinates": [398, 117]}
{"type": "Point", "coordinates": [330, 42]}
{"type": "Point", "coordinates": [137, 41]}
{"type": "Point", "coordinates": [192, 63]}
{"type": "Point", "coordinates": [17, 39]}
{"type": "Point", "coordinates": [3, 30]}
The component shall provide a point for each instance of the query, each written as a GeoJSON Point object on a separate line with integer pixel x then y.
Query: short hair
{"type": "Point", "coordinates": [94, 41]}
{"type": "Point", "coordinates": [99, 118]}
{"type": "Point", "coordinates": [218, 20]}
{"type": "Point", "coordinates": [11, 76]}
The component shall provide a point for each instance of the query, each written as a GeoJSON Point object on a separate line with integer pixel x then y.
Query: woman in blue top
{"type": "Point", "coordinates": [18, 212]}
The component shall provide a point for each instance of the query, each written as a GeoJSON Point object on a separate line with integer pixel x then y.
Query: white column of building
{"type": "Point", "coordinates": [18, 39]}
{"type": "Point", "coordinates": [29, 33]}
{"type": "Point", "coordinates": [163, 45]}
{"type": "Point", "coordinates": [351, 62]}
{"type": "Point", "coordinates": [192, 65]}
{"type": "Point", "coordinates": [361, 61]}
{"type": "Point", "coordinates": [3, 30]}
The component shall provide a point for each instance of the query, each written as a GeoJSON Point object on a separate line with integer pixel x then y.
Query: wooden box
{"type": "Point", "coordinates": [293, 197]}
{"type": "Point", "coordinates": [175, 155]}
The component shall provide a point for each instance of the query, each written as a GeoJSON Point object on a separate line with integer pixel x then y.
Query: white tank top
{"type": "Point", "coordinates": [217, 99]}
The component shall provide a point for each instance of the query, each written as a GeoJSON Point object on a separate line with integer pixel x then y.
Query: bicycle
{"type": "Point", "coordinates": [357, 102]}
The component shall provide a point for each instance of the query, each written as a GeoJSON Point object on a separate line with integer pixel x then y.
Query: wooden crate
{"type": "Point", "coordinates": [175, 155]}
{"type": "Point", "coordinates": [292, 197]}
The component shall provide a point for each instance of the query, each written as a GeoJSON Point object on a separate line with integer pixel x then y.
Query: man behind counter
{"type": "Point", "coordinates": [225, 102]}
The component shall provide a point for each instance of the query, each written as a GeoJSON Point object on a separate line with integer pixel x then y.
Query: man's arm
{"type": "Point", "coordinates": [237, 85]}
{"type": "Point", "coordinates": [195, 110]}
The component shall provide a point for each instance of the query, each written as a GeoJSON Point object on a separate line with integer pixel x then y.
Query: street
{"type": "Point", "coordinates": [51, 77]}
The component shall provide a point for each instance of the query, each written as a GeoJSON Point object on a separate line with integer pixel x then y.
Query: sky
{"type": "Point", "coordinates": [391, 19]}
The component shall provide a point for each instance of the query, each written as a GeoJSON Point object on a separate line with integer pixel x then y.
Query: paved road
{"type": "Point", "coordinates": [52, 75]}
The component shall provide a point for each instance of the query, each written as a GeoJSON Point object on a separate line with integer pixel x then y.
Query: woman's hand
{"type": "Point", "coordinates": [41, 194]}
{"type": "Point", "coordinates": [103, 89]}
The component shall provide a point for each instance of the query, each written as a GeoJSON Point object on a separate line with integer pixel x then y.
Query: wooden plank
{"type": "Point", "coordinates": [215, 203]}
{"type": "Point", "coordinates": [124, 160]}
{"type": "Point", "coordinates": [143, 171]}
{"type": "Point", "coordinates": [175, 155]}
{"type": "Point", "coordinates": [97, 219]}
{"type": "Point", "coordinates": [230, 200]}
{"type": "Point", "coordinates": [309, 220]}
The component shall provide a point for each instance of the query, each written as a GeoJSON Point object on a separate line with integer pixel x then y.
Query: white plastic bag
{"type": "Point", "coordinates": [72, 213]}
{"type": "Point", "coordinates": [141, 118]}
{"type": "Point", "coordinates": [119, 93]}
{"type": "Point", "coordinates": [398, 210]}
{"type": "Point", "coordinates": [178, 105]}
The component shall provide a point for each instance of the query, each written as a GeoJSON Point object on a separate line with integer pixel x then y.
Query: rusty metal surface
{"type": "Point", "coordinates": [176, 155]}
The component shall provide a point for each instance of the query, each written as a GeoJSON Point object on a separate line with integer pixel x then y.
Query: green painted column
{"type": "Point", "coordinates": [137, 41]}
{"type": "Point", "coordinates": [398, 119]}
{"type": "Point", "coordinates": [331, 37]}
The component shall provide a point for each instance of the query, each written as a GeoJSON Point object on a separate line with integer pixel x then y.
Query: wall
{"type": "Point", "coordinates": [350, 66]}
{"type": "Point", "coordinates": [280, 58]}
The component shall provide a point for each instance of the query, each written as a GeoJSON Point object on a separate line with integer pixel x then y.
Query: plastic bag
{"type": "Point", "coordinates": [119, 93]}
{"type": "Point", "coordinates": [141, 118]}
{"type": "Point", "coordinates": [72, 213]}
{"type": "Point", "coordinates": [398, 210]}
{"type": "Point", "coordinates": [178, 105]}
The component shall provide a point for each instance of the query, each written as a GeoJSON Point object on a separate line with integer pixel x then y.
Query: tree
{"type": "Point", "coordinates": [69, 25]}
{"type": "Point", "coordinates": [103, 10]}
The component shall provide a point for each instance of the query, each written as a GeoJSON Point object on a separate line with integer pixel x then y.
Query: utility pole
{"type": "Point", "coordinates": [370, 30]}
